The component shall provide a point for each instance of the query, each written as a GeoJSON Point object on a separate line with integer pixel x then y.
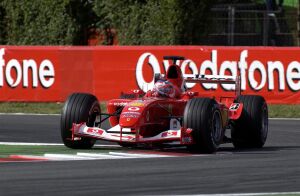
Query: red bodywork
{"type": "Point", "coordinates": [148, 118]}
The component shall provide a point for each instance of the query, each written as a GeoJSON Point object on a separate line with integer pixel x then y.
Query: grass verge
{"type": "Point", "coordinates": [275, 111]}
{"type": "Point", "coordinates": [38, 108]}
{"type": "Point", "coordinates": [35, 108]}
{"type": "Point", "coordinates": [284, 111]}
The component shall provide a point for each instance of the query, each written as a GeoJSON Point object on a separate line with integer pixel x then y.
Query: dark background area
{"type": "Point", "coordinates": [150, 22]}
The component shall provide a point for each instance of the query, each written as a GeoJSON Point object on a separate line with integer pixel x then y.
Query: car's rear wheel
{"type": "Point", "coordinates": [251, 129]}
{"type": "Point", "coordinates": [203, 116]}
{"type": "Point", "coordinates": [78, 108]}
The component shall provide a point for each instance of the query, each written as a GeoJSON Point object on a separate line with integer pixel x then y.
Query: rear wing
{"type": "Point", "coordinates": [216, 79]}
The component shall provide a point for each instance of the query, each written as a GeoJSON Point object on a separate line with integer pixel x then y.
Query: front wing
{"type": "Point", "coordinates": [118, 134]}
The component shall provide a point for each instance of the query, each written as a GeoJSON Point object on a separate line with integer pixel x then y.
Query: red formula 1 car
{"type": "Point", "coordinates": [168, 114]}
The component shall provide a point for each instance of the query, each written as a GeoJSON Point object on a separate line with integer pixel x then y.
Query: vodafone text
{"type": "Point", "coordinates": [43, 74]}
{"type": "Point", "coordinates": [248, 70]}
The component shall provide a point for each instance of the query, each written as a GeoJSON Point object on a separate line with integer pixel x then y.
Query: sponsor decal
{"type": "Point", "coordinates": [16, 73]}
{"type": "Point", "coordinates": [137, 104]}
{"type": "Point", "coordinates": [95, 131]}
{"type": "Point", "coordinates": [128, 137]}
{"type": "Point", "coordinates": [133, 108]}
{"type": "Point", "coordinates": [119, 104]}
{"type": "Point", "coordinates": [133, 113]}
{"type": "Point", "coordinates": [129, 116]}
{"type": "Point", "coordinates": [169, 133]}
{"type": "Point", "coordinates": [234, 106]}
{"type": "Point", "coordinates": [50, 73]}
{"type": "Point", "coordinates": [288, 75]}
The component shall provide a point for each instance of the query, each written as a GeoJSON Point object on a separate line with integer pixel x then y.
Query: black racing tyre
{"type": "Point", "coordinates": [203, 116]}
{"type": "Point", "coordinates": [78, 108]}
{"type": "Point", "coordinates": [251, 129]}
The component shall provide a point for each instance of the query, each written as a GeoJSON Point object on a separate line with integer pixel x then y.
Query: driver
{"type": "Point", "coordinates": [165, 88]}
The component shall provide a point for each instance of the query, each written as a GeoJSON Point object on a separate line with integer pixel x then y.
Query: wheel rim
{"type": "Point", "coordinates": [95, 110]}
{"type": "Point", "coordinates": [216, 132]}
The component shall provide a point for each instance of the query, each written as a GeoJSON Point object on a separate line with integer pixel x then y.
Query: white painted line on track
{"type": "Point", "coordinates": [100, 156]}
{"type": "Point", "coordinates": [48, 144]}
{"type": "Point", "coordinates": [86, 156]}
{"type": "Point", "coordinates": [135, 155]}
{"type": "Point", "coordinates": [106, 145]}
{"type": "Point", "coordinates": [251, 194]}
{"type": "Point", "coordinates": [284, 118]}
{"type": "Point", "coordinates": [67, 157]}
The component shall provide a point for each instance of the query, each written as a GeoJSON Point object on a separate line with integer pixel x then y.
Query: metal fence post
{"type": "Point", "coordinates": [265, 28]}
{"type": "Point", "coordinates": [231, 16]}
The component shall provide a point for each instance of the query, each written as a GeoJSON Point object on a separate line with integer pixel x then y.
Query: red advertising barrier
{"type": "Point", "coordinates": [47, 74]}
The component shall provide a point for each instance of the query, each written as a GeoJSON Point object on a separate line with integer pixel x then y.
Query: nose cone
{"type": "Point", "coordinates": [129, 119]}
{"type": "Point", "coordinates": [132, 113]}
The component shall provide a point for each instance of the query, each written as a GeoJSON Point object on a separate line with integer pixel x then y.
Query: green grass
{"type": "Point", "coordinates": [37, 108]}
{"type": "Point", "coordinates": [275, 111]}
{"type": "Point", "coordinates": [284, 111]}
{"type": "Point", "coordinates": [291, 3]}
{"type": "Point", "coordinates": [6, 150]}
{"type": "Point", "coordinates": [41, 108]}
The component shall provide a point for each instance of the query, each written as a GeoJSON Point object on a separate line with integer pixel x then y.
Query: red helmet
{"type": "Point", "coordinates": [164, 88]}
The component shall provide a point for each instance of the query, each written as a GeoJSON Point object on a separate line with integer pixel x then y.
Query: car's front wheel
{"type": "Point", "coordinates": [203, 116]}
{"type": "Point", "coordinates": [79, 107]}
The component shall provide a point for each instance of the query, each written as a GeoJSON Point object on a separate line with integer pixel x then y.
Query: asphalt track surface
{"type": "Point", "coordinates": [275, 168]}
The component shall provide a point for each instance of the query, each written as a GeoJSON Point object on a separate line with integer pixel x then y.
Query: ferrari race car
{"type": "Point", "coordinates": [168, 114]}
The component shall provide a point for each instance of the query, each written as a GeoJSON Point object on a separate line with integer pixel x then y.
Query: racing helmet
{"type": "Point", "coordinates": [164, 88]}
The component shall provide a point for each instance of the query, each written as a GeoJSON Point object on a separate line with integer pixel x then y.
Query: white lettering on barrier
{"type": "Point", "coordinates": [193, 67]}
{"type": "Point", "coordinates": [231, 66]}
{"type": "Point", "coordinates": [243, 67]}
{"type": "Point", "coordinates": [32, 65]}
{"type": "Point", "coordinates": [293, 73]}
{"type": "Point", "coordinates": [212, 66]}
{"type": "Point", "coordinates": [272, 66]}
{"type": "Point", "coordinates": [256, 67]}
{"type": "Point", "coordinates": [2, 63]}
{"type": "Point", "coordinates": [16, 65]}
{"type": "Point", "coordinates": [45, 74]}
{"type": "Point", "coordinates": [152, 61]}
